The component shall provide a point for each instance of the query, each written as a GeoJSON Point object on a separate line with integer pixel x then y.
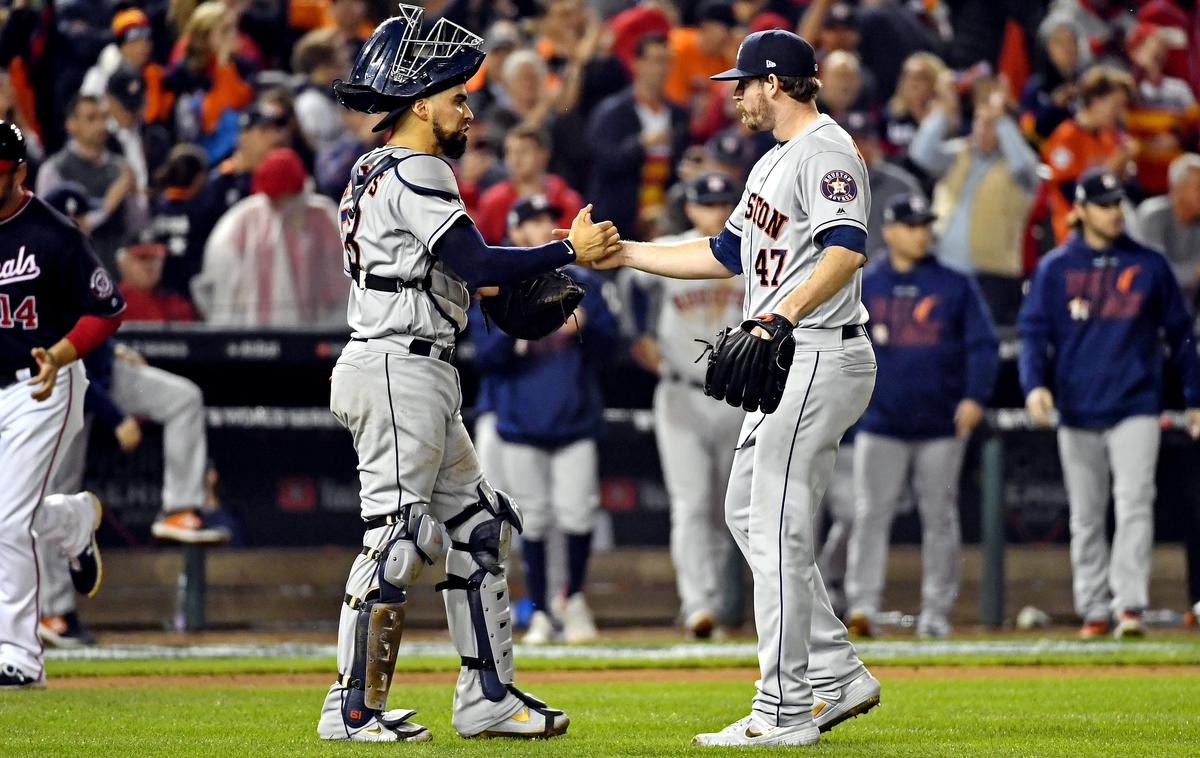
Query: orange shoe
{"type": "Point", "coordinates": [1129, 626]}
{"type": "Point", "coordinates": [1093, 629]}
{"type": "Point", "coordinates": [858, 623]}
{"type": "Point", "coordinates": [190, 527]}
{"type": "Point", "coordinates": [64, 631]}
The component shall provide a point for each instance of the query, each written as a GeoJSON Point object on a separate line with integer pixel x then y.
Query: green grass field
{"type": "Point", "coordinates": [1086, 705]}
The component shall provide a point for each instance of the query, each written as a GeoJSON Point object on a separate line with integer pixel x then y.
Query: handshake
{"type": "Point", "coordinates": [597, 244]}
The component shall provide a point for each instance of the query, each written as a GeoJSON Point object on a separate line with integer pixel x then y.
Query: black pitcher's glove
{"type": "Point", "coordinates": [747, 371]}
{"type": "Point", "coordinates": [534, 308]}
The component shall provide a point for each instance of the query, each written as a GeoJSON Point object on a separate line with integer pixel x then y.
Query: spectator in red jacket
{"type": "Point", "coordinates": [526, 154]}
{"type": "Point", "coordinates": [141, 264]}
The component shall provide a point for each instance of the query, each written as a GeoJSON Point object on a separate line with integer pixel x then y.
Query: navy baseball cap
{"type": "Point", "coordinates": [908, 208]}
{"type": "Point", "coordinates": [1100, 186]}
{"type": "Point", "coordinates": [772, 51]}
{"type": "Point", "coordinates": [713, 187]}
{"type": "Point", "coordinates": [12, 146]}
{"type": "Point", "coordinates": [70, 199]}
{"type": "Point", "coordinates": [531, 207]}
{"type": "Point", "coordinates": [128, 88]}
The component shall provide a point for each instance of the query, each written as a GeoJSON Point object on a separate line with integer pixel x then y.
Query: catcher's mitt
{"type": "Point", "coordinates": [534, 308]}
{"type": "Point", "coordinates": [748, 371]}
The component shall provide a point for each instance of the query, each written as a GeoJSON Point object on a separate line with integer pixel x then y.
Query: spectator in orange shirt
{"type": "Point", "coordinates": [699, 52]}
{"type": "Point", "coordinates": [1164, 115]}
{"type": "Point", "coordinates": [208, 78]}
{"type": "Point", "coordinates": [526, 154]}
{"type": "Point", "coordinates": [1093, 137]}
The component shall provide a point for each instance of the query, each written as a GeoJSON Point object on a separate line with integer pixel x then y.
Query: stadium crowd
{"type": "Point", "coordinates": [200, 146]}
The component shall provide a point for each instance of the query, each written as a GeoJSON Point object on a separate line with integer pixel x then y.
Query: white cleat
{"type": "Point", "coordinates": [854, 699]}
{"type": "Point", "coordinates": [13, 678]}
{"type": "Point", "coordinates": [389, 726]}
{"type": "Point", "coordinates": [578, 625]}
{"type": "Point", "coordinates": [533, 720]}
{"type": "Point", "coordinates": [541, 629]}
{"type": "Point", "coordinates": [933, 629]}
{"type": "Point", "coordinates": [753, 731]}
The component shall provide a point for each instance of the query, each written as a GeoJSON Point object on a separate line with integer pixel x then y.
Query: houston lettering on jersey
{"type": "Point", "coordinates": [1105, 293]}
{"type": "Point", "coordinates": [764, 216]}
{"type": "Point", "coordinates": [707, 298]}
{"type": "Point", "coordinates": [20, 269]}
{"type": "Point", "coordinates": [906, 318]}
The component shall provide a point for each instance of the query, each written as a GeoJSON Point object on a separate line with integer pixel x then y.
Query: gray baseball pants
{"type": "Point", "coordinates": [1120, 460]}
{"type": "Point", "coordinates": [884, 469]}
{"type": "Point", "coordinates": [696, 438]}
{"type": "Point", "coordinates": [781, 469]}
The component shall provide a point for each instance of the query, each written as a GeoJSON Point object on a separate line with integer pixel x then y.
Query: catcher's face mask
{"type": "Point", "coordinates": [402, 62]}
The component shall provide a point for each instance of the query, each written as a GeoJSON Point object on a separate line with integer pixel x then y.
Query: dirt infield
{"type": "Point", "coordinates": [884, 672]}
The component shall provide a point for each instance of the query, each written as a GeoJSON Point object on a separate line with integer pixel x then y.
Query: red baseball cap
{"type": "Point", "coordinates": [281, 172]}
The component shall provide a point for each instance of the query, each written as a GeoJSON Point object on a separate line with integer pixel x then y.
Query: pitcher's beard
{"type": "Point", "coordinates": [452, 144]}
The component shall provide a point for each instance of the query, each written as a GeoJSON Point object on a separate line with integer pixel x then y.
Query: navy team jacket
{"type": "Point", "coordinates": [934, 343]}
{"type": "Point", "coordinates": [1104, 315]}
{"type": "Point", "coordinates": [547, 393]}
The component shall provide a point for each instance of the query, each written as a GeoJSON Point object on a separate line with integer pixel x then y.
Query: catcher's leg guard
{"type": "Point", "coordinates": [476, 588]}
{"type": "Point", "coordinates": [477, 607]}
{"type": "Point", "coordinates": [380, 621]}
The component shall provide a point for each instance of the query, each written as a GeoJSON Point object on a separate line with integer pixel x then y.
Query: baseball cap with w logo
{"type": "Point", "coordinates": [772, 51]}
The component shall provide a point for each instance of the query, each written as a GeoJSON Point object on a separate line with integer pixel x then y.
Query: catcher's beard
{"type": "Point", "coordinates": [452, 144]}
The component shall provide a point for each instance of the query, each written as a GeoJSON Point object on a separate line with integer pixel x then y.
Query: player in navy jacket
{"type": "Point", "coordinates": [549, 412]}
{"type": "Point", "coordinates": [1101, 302]}
{"type": "Point", "coordinates": [936, 350]}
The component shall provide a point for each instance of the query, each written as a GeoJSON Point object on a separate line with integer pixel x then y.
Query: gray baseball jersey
{"type": "Point", "coordinates": [683, 311]}
{"type": "Point", "coordinates": [784, 460]}
{"type": "Point", "coordinates": [801, 188]}
{"type": "Point", "coordinates": [401, 216]}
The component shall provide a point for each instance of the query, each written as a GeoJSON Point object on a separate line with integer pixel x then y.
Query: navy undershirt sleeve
{"type": "Point", "coordinates": [849, 237]}
{"type": "Point", "coordinates": [482, 265]}
{"type": "Point", "coordinates": [727, 248]}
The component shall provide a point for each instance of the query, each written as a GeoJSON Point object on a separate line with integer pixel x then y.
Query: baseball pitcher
{"type": "Point", "coordinates": [803, 369]}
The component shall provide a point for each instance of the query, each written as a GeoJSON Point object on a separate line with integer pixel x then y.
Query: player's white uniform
{"type": "Point", "coordinates": [403, 409]}
{"type": "Point", "coordinates": [29, 448]}
{"type": "Point", "coordinates": [695, 436]}
{"type": "Point", "coordinates": [814, 182]}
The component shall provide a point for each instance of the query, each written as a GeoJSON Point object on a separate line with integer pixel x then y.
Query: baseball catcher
{"type": "Point", "coordinates": [415, 257]}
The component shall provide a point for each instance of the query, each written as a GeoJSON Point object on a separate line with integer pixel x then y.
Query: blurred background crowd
{"type": "Point", "coordinates": [199, 143]}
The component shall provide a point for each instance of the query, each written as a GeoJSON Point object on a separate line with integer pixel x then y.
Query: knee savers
{"type": "Point", "coordinates": [380, 622]}
{"type": "Point", "coordinates": [475, 567]}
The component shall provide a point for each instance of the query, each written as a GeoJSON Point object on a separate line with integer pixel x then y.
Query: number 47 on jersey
{"type": "Point", "coordinates": [769, 258]}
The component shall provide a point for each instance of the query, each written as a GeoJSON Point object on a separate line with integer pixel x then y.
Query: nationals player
{"type": "Point", "coordinates": [1104, 304]}
{"type": "Point", "coordinates": [695, 436]}
{"type": "Point", "coordinates": [414, 257]}
{"type": "Point", "coordinates": [56, 303]}
{"type": "Point", "coordinates": [799, 236]}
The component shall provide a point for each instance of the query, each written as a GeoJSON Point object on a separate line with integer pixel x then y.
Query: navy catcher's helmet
{"type": "Point", "coordinates": [399, 64]}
